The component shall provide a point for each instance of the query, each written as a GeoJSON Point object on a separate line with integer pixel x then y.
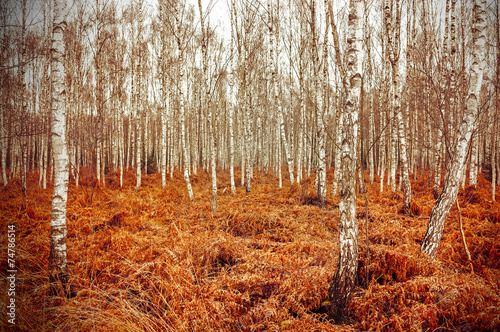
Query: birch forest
{"type": "Point", "coordinates": [250, 165]}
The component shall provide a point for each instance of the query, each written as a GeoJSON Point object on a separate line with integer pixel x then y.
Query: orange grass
{"type": "Point", "coordinates": [153, 261]}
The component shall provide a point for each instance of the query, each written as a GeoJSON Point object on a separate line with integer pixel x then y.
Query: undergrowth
{"type": "Point", "coordinates": [153, 261]}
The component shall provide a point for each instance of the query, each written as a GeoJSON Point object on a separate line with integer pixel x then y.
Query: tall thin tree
{"type": "Point", "coordinates": [344, 278]}
{"type": "Point", "coordinates": [58, 265]}
{"type": "Point", "coordinates": [456, 168]}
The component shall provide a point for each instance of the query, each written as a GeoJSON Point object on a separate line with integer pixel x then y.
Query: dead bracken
{"type": "Point", "coordinates": [154, 261]}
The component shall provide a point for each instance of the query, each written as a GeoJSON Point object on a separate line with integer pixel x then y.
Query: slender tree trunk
{"type": "Point", "coordinates": [23, 139]}
{"type": "Point", "coordinates": [318, 107]}
{"type": "Point", "coordinates": [302, 103]}
{"type": "Point", "coordinates": [232, 103]}
{"type": "Point", "coordinates": [437, 164]}
{"type": "Point", "coordinates": [495, 117]}
{"type": "Point", "coordinates": [371, 129]}
{"type": "Point", "coordinates": [399, 127]}
{"type": "Point", "coordinates": [440, 212]}
{"type": "Point", "coordinates": [163, 145]}
{"type": "Point", "coordinates": [205, 93]}
{"type": "Point", "coordinates": [138, 147]}
{"type": "Point", "coordinates": [3, 141]}
{"type": "Point", "coordinates": [473, 170]}
{"type": "Point", "coordinates": [58, 265]}
{"type": "Point", "coordinates": [277, 101]}
{"type": "Point", "coordinates": [344, 278]}
{"type": "Point", "coordinates": [247, 125]}
{"type": "Point", "coordinates": [182, 93]}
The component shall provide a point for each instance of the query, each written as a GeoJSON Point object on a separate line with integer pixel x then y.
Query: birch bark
{"type": "Point", "coordinates": [448, 195]}
{"type": "Point", "coordinates": [344, 279]}
{"type": "Point", "coordinates": [232, 99]}
{"type": "Point", "coordinates": [3, 141]}
{"type": "Point", "coordinates": [205, 92]}
{"type": "Point", "coordinates": [58, 269]}
{"type": "Point", "coordinates": [495, 117]}
{"type": "Point", "coordinates": [318, 100]}
{"type": "Point", "coordinates": [393, 51]}
{"type": "Point", "coordinates": [277, 101]}
{"type": "Point", "coordinates": [182, 93]}
{"type": "Point", "coordinates": [164, 97]}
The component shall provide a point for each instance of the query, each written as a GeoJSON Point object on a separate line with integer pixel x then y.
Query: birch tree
{"type": "Point", "coordinates": [393, 34]}
{"type": "Point", "coordinates": [232, 96]}
{"type": "Point", "coordinates": [318, 100]}
{"type": "Point", "coordinates": [344, 278]}
{"type": "Point", "coordinates": [456, 169]}
{"type": "Point", "coordinates": [23, 138]}
{"type": "Point", "coordinates": [182, 92]}
{"type": "Point", "coordinates": [205, 97]}
{"type": "Point", "coordinates": [495, 117]}
{"type": "Point", "coordinates": [58, 265]}
{"type": "Point", "coordinates": [277, 101]}
{"type": "Point", "coordinates": [164, 112]}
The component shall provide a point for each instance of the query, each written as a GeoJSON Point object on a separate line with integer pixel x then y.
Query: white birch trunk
{"type": "Point", "coordinates": [371, 153]}
{"type": "Point", "coordinates": [437, 164]}
{"type": "Point", "coordinates": [344, 278]}
{"type": "Point", "coordinates": [182, 93]}
{"type": "Point", "coordinates": [164, 100]}
{"type": "Point", "coordinates": [495, 113]}
{"type": "Point", "coordinates": [58, 269]}
{"type": "Point", "coordinates": [163, 145]}
{"type": "Point", "coordinates": [302, 105]}
{"type": "Point", "coordinates": [3, 141]}
{"type": "Point", "coordinates": [382, 150]}
{"type": "Point", "coordinates": [205, 93]}
{"type": "Point", "coordinates": [247, 124]}
{"type": "Point", "coordinates": [399, 126]}
{"type": "Point", "coordinates": [447, 198]}
{"type": "Point", "coordinates": [232, 101]}
{"type": "Point", "coordinates": [277, 101]}
{"type": "Point", "coordinates": [474, 160]}
{"type": "Point", "coordinates": [40, 157]}
{"type": "Point", "coordinates": [318, 100]}
{"type": "Point", "coordinates": [23, 138]}
{"type": "Point", "coordinates": [138, 147]}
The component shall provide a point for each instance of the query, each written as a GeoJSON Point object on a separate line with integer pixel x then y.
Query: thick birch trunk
{"type": "Point", "coordinates": [344, 278]}
{"type": "Point", "coordinates": [58, 269]}
{"type": "Point", "coordinates": [440, 212]}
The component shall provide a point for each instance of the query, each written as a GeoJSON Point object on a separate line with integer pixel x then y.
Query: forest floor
{"type": "Point", "coordinates": [153, 261]}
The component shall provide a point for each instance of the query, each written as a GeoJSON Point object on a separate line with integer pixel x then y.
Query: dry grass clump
{"type": "Point", "coordinates": [153, 261]}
